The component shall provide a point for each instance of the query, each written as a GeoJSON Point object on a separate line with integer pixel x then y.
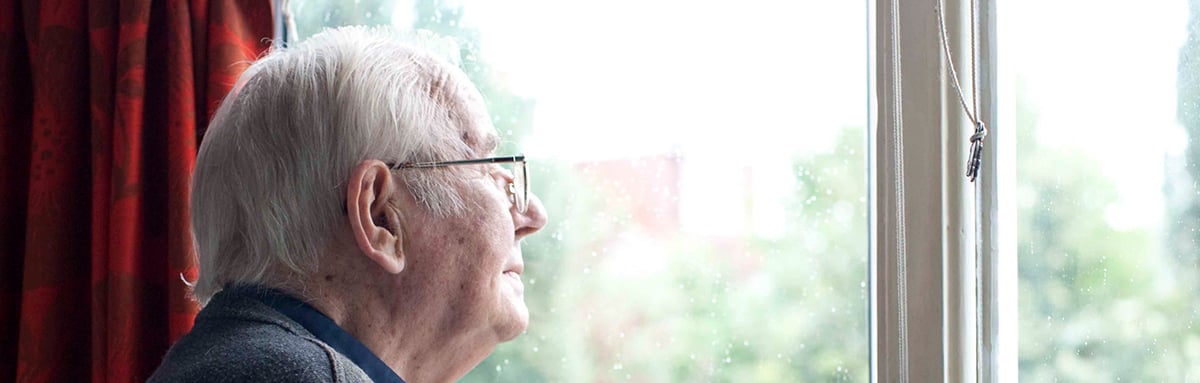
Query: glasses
{"type": "Point", "coordinates": [518, 189]}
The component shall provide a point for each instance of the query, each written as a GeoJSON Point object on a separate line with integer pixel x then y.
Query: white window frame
{"type": "Point", "coordinates": [939, 203]}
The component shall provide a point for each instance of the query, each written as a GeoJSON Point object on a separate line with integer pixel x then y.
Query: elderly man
{"type": "Point", "coordinates": [350, 221]}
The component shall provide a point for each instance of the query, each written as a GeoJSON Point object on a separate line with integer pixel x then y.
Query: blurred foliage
{"type": "Point", "coordinates": [1100, 304]}
{"type": "Point", "coordinates": [311, 17]}
{"type": "Point", "coordinates": [1184, 223]}
{"type": "Point", "coordinates": [741, 309]}
{"type": "Point", "coordinates": [1083, 285]}
{"type": "Point", "coordinates": [734, 309]}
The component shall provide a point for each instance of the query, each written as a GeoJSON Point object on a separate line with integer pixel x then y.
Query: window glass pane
{"type": "Point", "coordinates": [704, 167]}
{"type": "Point", "coordinates": [1108, 144]}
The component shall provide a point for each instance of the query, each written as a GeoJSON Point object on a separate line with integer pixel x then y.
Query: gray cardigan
{"type": "Point", "coordinates": [238, 338]}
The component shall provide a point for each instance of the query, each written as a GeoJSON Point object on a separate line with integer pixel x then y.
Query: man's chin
{"type": "Point", "coordinates": [517, 324]}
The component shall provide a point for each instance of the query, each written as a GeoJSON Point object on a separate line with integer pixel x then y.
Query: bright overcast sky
{"type": "Point", "coordinates": [1102, 77]}
{"type": "Point", "coordinates": [623, 78]}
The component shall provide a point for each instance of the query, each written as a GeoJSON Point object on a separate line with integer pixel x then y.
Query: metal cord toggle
{"type": "Point", "coordinates": [976, 158]}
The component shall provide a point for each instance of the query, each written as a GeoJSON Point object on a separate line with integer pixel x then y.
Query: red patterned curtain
{"type": "Point", "coordinates": [102, 104]}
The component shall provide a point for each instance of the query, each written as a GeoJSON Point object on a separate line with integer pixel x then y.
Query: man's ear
{"type": "Point", "coordinates": [374, 222]}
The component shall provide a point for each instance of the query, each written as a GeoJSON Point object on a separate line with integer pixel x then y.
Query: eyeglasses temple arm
{"type": "Point", "coordinates": [491, 160]}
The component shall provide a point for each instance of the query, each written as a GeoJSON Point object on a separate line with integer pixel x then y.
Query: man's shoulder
{"type": "Point", "coordinates": [244, 354]}
{"type": "Point", "coordinates": [240, 342]}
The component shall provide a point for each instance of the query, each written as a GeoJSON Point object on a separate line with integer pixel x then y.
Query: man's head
{"type": "Point", "coordinates": [293, 187]}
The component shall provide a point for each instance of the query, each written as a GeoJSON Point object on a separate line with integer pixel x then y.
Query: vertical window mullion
{"type": "Point", "coordinates": [997, 199]}
{"type": "Point", "coordinates": [938, 202]}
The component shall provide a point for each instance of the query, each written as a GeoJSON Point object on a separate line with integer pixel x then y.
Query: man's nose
{"type": "Point", "coordinates": [532, 220]}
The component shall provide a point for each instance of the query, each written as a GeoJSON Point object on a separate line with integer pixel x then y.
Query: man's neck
{"type": "Point", "coordinates": [415, 343]}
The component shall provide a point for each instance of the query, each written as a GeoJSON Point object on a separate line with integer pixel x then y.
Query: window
{"type": "Point", "coordinates": [704, 166]}
{"type": "Point", "coordinates": [1108, 128]}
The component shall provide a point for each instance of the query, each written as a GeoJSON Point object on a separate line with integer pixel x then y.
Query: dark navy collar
{"type": "Point", "coordinates": [324, 329]}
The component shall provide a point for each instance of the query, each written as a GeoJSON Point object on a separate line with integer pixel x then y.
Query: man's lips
{"type": "Point", "coordinates": [513, 275]}
{"type": "Point", "coordinates": [515, 268]}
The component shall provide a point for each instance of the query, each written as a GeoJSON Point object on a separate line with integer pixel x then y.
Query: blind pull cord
{"type": "Point", "coordinates": [976, 157]}
{"type": "Point", "coordinates": [898, 162]}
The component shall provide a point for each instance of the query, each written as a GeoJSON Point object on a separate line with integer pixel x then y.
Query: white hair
{"type": "Point", "coordinates": [269, 184]}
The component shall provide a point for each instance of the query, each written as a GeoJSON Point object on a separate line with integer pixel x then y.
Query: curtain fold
{"type": "Point", "coordinates": [102, 106]}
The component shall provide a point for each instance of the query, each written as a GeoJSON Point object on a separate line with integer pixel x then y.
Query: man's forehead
{"type": "Point", "coordinates": [468, 108]}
